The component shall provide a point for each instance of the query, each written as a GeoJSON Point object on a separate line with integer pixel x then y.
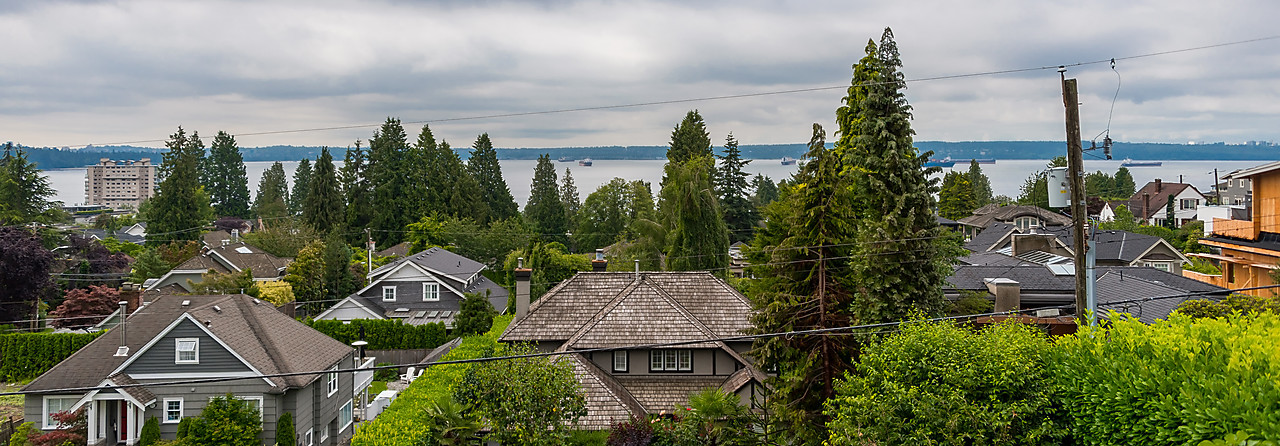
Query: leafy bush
{"type": "Point", "coordinates": [1235, 303]}
{"type": "Point", "coordinates": [184, 427]}
{"type": "Point", "coordinates": [150, 432]}
{"type": "Point", "coordinates": [944, 384]}
{"type": "Point", "coordinates": [24, 356]}
{"type": "Point", "coordinates": [22, 434]}
{"type": "Point", "coordinates": [524, 400]}
{"type": "Point", "coordinates": [384, 334]}
{"type": "Point", "coordinates": [386, 374]}
{"type": "Point", "coordinates": [75, 430]}
{"type": "Point", "coordinates": [1178, 381]}
{"type": "Point", "coordinates": [635, 432]}
{"type": "Point", "coordinates": [285, 435]}
{"type": "Point", "coordinates": [1202, 266]}
{"type": "Point", "coordinates": [476, 314]}
{"type": "Point", "coordinates": [404, 422]}
{"type": "Point", "coordinates": [226, 420]}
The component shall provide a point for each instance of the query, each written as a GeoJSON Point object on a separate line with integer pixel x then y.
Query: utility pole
{"type": "Point", "coordinates": [1075, 173]}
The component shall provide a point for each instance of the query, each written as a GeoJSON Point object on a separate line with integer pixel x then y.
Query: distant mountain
{"type": "Point", "coordinates": [53, 158]}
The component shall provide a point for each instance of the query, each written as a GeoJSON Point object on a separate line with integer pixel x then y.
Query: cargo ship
{"type": "Point", "coordinates": [945, 162]}
{"type": "Point", "coordinates": [788, 161]}
{"type": "Point", "coordinates": [1131, 163]}
{"type": "Point", "coordinates": [585, 162]}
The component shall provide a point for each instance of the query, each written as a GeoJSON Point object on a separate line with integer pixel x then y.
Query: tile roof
{"type": "Point", "coordinates": [267, 339]}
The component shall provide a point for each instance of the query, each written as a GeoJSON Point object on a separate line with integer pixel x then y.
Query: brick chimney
{"type": "Point", "coordinates": [1158, 185]}
{"type": "Point", "coordinates": [599, 264]}
{"type": "Point", "coordinates": [1008, 293]}
{"type": "Point", "coordinates": [522, 288]}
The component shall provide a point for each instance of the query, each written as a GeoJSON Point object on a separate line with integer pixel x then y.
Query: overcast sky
{"type": "Point", "coordinates": [101, 72]}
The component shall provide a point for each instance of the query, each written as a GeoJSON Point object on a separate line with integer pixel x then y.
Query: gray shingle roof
{"type": "Point", "coordinates": [985, 215]}
{"type": "Point", "coordinates": [439, 260]}
{"type": "Point", "coordinates": [1112, 244]}
{"type": "Point", "coordinates": [1122, 284]}
{"type": "Point", "coordinates": [990, 234]}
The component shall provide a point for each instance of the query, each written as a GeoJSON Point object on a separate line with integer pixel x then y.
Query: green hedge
{"type": "Point", "coordinates": [25, 356]}
{"type": "Point", "coordinates": [385, 334]}
{"type": "Point", "coordinates": [403, 423]}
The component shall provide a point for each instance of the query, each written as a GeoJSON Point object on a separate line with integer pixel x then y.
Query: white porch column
{"type": "Point", "coordinates": [91, 415]}
{"type": "Point", "coordinates": [131, 421]}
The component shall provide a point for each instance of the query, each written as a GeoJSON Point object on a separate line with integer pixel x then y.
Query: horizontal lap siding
{"type": "Point", "coordinates": [160, 357]}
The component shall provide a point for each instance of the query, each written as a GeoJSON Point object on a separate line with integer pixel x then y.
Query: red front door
{"type": "Point", "coordinates": [124, 421]}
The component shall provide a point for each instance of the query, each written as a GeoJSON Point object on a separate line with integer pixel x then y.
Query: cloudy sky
{"type": "Point", "coordinates": [102, 72]}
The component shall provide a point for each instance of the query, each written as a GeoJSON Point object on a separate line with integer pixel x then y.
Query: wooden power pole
{"type": "Point", "coordinates": [1075, 173]}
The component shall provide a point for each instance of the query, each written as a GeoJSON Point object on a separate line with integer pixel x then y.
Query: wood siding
{"type": "Point", "coordinates": [160, 357]}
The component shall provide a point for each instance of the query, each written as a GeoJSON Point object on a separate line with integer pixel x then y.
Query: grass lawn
{"type": "Point", "coordinates": [376, 387]}
{"type": "Point", "coordinates": [11, 406]}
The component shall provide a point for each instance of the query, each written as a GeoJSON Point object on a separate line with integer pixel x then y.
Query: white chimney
{"type": "Point", "coordinates": [522, 288]}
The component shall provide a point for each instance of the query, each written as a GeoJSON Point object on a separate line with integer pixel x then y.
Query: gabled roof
{"type": "Point", "coordinates": [991, 234]}
{"type": "Point", "coordinates": [236, 257]}
{"type": "Point", "coordinates": [1127, 283]}
{"type": "Point", "coordinates": [1118, 245]}
{"type": "Point", "coordinates": [1256, 170]}
{"type": "Point", "coordinates": [399, 250]}
{"type": "Point", "coordinates": [608, 402]}
{"type": "Point", "coordinates": [1159, 193]}
{"type": "Point", "coordinates": [439, 261]}
{"type": "Point", "coordinates": [983, 217]}
{"type": "Point", "coordinates": [264, 338]}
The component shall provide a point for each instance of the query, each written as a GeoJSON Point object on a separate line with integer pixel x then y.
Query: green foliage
{"type": "Point", "coordinates": [1178, 381]}
{"type": "Point", "coordinates": [476, 314]}
{"type": "Point", "coordinates": [569, 198]}
{"type": "Point", "coordinates": [273, 193]}
{"type": "Point", "coordinates": [22, 434]}
{"type": "Point", "coordinates": [608, 213]}
{"type": "Point", "coordinates": [285, 434]}
{"type": "Point", "coordinates": [544, 211]}
{"type": "Point", "coordinates": [449, 422]}
{"type": "Point", "coordinates": [971, 302]}
{"type": "Point", "coordinates": [356, 191]}
{"type": "Point", "coordinates": [1203, 266]}
{"type": "Point", "coordinates": [699, 237]}
{"type": "Point", "coordinates": [551, 264]}
{"type": "Point", "coordinates": [403, 423]}
{"type": "Point", "coordinates": [213, 282]}
{"type": "Point", "coordinates": [766, 191]}
{"type": "Point", "coordinates": [226, 420]}
{"type": "Point", "coordinates": [483, 166]}
{"type": "Point", "coordinates": [740, 214]}
{"type": "Point", "coordinates": [225, 179]}
{"type": "Point", "coordinates": [302, 176]}
{"type": "Point", "coordinates": [24, 192]}
{"type": "Point", "coordinates": [587, 438]}
{"type": "Point", "coordinates": [388, 176]}
{"type": "Point", "coordinates": [689, 140]}
{"type": "Point", "coordinates": [1124, 187]}
{"type": "Point", "coordinates": [180, 206]}
{"type": "Point", "coordinates": [1124, 220]}
{"type": "Point", "coordinates": [184, 427]}
{"type": "Point", "coordinates": [715, 417]}
{"type": "Point", "coordinates": [150, 432]}
{"type": "Point", "coordinates": [130, 249]}
{"type": "Point", "coordinates": [306, 275]}
{"type": "Point", "coordinates": [24, 356]}
{"type": "Point", "coordinates": [943, 384]}
{"type": "Point", "coordinates": [384, 334]}
{"type": "Point", "coordinates": [956, 200]}
{"type": "Point", "coordinates": [525, 400]}
{"type": "Point", "coordinates": [283, 237]}
{"type": "Point", "coordinates": [981, 184]}
{"type": "Point", "coordinates": [465, 237]}
{"type": "Point", "coordinates": [384, 375]}
{"type": "Point", "coordinates": [1240, 438]}
{"type": "Point", "coordinates": [1235, 304]}
{"type": "Point", "coordinates": [1035, 190]}
{"type": "Point", "coordinates": [443, 183]}
{"type": "Point", "coordinates": [322, 207]}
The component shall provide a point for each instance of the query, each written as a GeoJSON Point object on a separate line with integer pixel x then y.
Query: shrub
{"type": "Point", "coordinates": [1235, 303]}
{"type": "Point", "coordinates": [528, 400]}
{"type": "Point", "coordinates": [22, 434]}
{"type": "Point", "coordinates": [635, 432]}
{"type": "Point", "coordinates": [285, 435]}
{"type": "Point", "coordinates": [150, 432]}
{"type": "Point", "coordinates": [384, 334]}
{"type": "Point", "coordinates": [387, 374]}
{"type": "Point", "coordinates": [76, 428]}
{"type": "Point", "coordinates": [1178, 381]}
{"type": "Point", "coordinates": [226, 421]}
{"type": "Point", "coordinates": [184, 427]}
{"type": "Point", "coordinates": [1200, 265]}
{"type": "Point", "coordinates": [940, 383]}
{"type": "Point", "coordinates": [24, 356]}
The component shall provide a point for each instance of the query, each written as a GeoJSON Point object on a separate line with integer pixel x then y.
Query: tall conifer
{"type": "Point", "coordinates": [356, 191]}
{"type": "Point", "coordinates": [323, 207]}
{"type": "Point", "coordinates": [569, 196]}
{"type": "Point", "coordinates": [484, 167]}
{"type": "Point", "coordinates": [301, 186]}
{"type": "Point", "coordinates": [273, 193]}
{"type": "Point", "coordinates": [180, 207]}
{"type": "Point", "coordinates": [24, 192]}
{"type": "Point", "coordinates": [731, 188]}
{"type": "Point", "coordinates": [544, 211]}
{"type": "Point", "coordinates": [698, 238]}
{"type": "Point", "coordinates": [389, 177]}
{"type": "Point", "coordinates": [226, 181]}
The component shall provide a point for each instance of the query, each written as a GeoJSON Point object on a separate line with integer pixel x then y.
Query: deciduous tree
{"type": "Point", "coordinates": [85, 307]}
{"type": "Point", "coordinates": [527, 400]}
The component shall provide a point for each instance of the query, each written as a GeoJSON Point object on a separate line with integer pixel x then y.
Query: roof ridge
{"type": "Point", "coordinates": [697, 323]}
{"type": "Point", "coordinates": [599, 316]}
{"type": "Point", "coordinates": [268, 344]}
{"type": "Point", "coordinates": [615, 388]}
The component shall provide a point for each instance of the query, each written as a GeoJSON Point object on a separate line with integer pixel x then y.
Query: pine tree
{"type": "Point", "coordinates": [902, 257]}
{"type": "Point", "coordinates": [982, 194]}
{"type": "Point", "coordinates": [388, 176]}
{"type": "Point", "coordinates": [766, 191]}
{"type": "Point", "coordinates": [484, 167]}
{"type": "Point", "coordinates": [544, 211]}
{"type": "Point", "coordinates": [699, 239]}
{"type": "Point", "coordinates": [273, 193]}
{"type": "Point", "coordinates": [356, 191]}
{"type": "Point", "coordinates": [24, 192]}
{"type": "Point", "coordinates": [464, 199]}
{"type": "Point", "coordinates": [180, 208]}
{"type": "Point", "coordinates": [740, 214]}
{"type": "Point", "coordinates": [955, 200]}
{"type": "Point", "coordinates": [803, 254]}
{"type": "Point", "coordinates": [225, 178]}
{"type": "Point", "coordinates": [689, 139]}
{"type": "Point", "coordinates": [323, 206]}
{"type": "Point", "coordinates": [569, 197]}
{"type": "Point", "coordinates": [1124, 185]}
{"type": "Point", "coordinates": [301, 187]}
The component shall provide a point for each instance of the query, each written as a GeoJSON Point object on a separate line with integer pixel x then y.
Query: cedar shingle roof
{"type": "Point", "coordinates": [607, 401]}
{"type": "Point", "coordinates": [662, 394]}
{"type": "Point", "coordinates": [641, 316]}
{"type": "Point", "coordinates": [267, 339]}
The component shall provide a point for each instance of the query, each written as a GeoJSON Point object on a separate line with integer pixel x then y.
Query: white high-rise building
{"type": "Point", "coordinates": [119, 184]}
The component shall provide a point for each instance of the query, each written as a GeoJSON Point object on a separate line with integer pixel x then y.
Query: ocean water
{"type": "Point", "coordinates": [1007, 176]}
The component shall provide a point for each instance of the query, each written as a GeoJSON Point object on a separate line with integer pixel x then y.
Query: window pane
{"type": "Point", "coordinates": [686, 360]}
{"type": "Point", "coordinates": [670, 362]}
{"type": "Point", "coordinates": [655, 359]}
{"type": "Point", "coordinates": [619, 361]}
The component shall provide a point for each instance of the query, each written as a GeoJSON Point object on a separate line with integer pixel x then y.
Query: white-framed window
{"type": "Point", "coordinates": [670, 360]}
{"type": "Point", "coordinates": [430, 291]}
{"type": "Point", "coordinates": [324, 434]}
{"type": "Point", "coordinates": [1025, 223]}
{"type": "Point", "coordinates": [1188, 203]}
{"type": "Point", "coordinates": [389, 294]}
{"type": "Point", "coordinates": [172, 410]}
{"type": "Point", "coordinates": [310, 438]}
{"type": "Point", "coordinates": [344, 416]}
{"type": "Point", "coordinates": [1243, 184]}
{"type": "Point", "coordinates": [333, 382]}
{"type": "Point", "coordinates": [55, 404]}
{"type": "Point", "coordinates": [620, 361]}
{"type": "Point", "coordinates": [254, 402]}
{"type": "Point", "coordinates": [187, 351]}
{"type": "Point", "coordinates": [1162, 266]}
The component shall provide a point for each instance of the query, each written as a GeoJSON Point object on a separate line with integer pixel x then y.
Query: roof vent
{"type": "Point", "coordinates": [256, 302]}
{"type": "Point", "coordinates": [121, 351]}
{"type": "Point", "coordinates": [208, 323]}
{"type": "Point", "coordinates": [217, 309]}
{"type": "Point", "coordinates": [186, 303]}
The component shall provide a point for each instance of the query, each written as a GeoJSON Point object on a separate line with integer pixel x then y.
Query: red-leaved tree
{"type": "Point", "coordinates": [84, 308]}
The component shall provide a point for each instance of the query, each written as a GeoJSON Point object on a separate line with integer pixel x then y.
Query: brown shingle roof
{"type": "Point", "coordinates": [607, 401]}
{"type": "Point", "coordinates": [641, 316]}
{"type": "Point", "coordinates": [1159, 198]}
{"type": "Point", "coordinates": [659, 394]}
{"type": "Point", "coordinates": [239, 255]}
{"type": "Point", "coordinates": [983, 217]}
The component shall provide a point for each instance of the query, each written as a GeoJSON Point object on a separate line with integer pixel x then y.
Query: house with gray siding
{"type": "Point", "coordinates": [124, 377]}
{"type": "Point", "coordinates": [426, 287]}
{"type": "Point", "coordinates": [619, 311]}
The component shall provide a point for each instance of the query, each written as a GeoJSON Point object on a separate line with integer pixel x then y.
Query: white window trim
{"type": "Point", "coordinates": [350, 418]}
{"type": "Point", "coordinates": [47, 422]}
{"type": "Point", "coordinates": [626, 361]}
{"type": "Point", "coordinates": [324, 434]}
{"type": "Point", "coordinates": [668, 360]}
{"type": "Point", "coordinates": [177, 351]}
{"type": "Point", "coordinates": [333, 382]}
{"type": "Point", "coordinates": [310, 439]}
{"type": "Point", "coordinates": [436, 293]}
{"type": "Point", "coordinates": [393, 293]}
{"type": "Point", "coordinates": [181, 411]}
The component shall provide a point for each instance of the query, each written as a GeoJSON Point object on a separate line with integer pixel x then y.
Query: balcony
{"type": "Point", "coordinates": [1241, 229]}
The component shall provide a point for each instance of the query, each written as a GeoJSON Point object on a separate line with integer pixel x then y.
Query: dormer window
{"type": "Point", "coordinates": [388, 294]}
{"type": "Point", "coordinates": [1025, 223]}
{"type": "Point", "coordinates": [430, 291]}
{"type": "Point", "coordinates": [188, 351]}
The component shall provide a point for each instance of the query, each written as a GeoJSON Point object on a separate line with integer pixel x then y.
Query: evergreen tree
{"type": "Point", "coordinates": [180, 207]}
{"type": "Point", "coordinates": [956, 200]}
{"type": "Point", "coordinates": [428, 181]}
{"type": "Point", "coordinates": [306, 275]}
{"type": "Point", "coordinates": [1099, 184]}
{"type": "Point", "coordinates": [285, 435]}
{"type": "Point", "coordinates": [301, 187]}
{"type": "Point", "coordinates": [699, 238]}
{"type": "Point", "coordinates": [464, 199]}
{"type": "Point", "coordinates": [569, 197]}
{"type": "Point", "coordinates": [1124, 185]}
{"type": "Point", "coordinates": [766, 191]}
{"type": "Point", "coordinates": [902, 257]}
{"type": "Point", "coordinates": [475, 315]}
{"type": "Point", "coordinates": [338, 278]}
{"type": "Point", "coordinates": [24, 192]}
{"type": "Point", "coordinates": [356, 191]}
{"type": "Point", "coordinates": [225, 178]}
{"type": "Point", "coordinates": [982, 194]}
{"type": "Point", "coordinates": [740, 214]}
{"type": "Point", "coordinates": [494, 192]}
{"type": "Point", "coordinates": [273, 193]}
{"type": "Point", "coordinates": [389, 179]}
{"type": "Point", "coordinates": [544, 211]}
{"type": "Point", "coordinates": [323, 207]}
{"type": "Point", "coordinates": [1170, 221]}
{"type": "Point", "coordinates": [689, 139]}
{"type": "Point", "coordinates": [803, 256]}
